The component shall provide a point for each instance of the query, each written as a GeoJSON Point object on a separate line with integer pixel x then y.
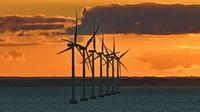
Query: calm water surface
{"type": "Point", "coordinates": [54, 99]}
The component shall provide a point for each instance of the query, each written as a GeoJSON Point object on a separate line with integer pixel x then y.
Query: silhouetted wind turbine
{"type": "Point", "coordinates": [101, 66]}
{"type": "Point", "coordinates": [71, 46]}
{"type": "Point", "coordinates": [84, 51]}
{"type": "Point", "coordinates": [100, 55]}
{"type": "Point", "coordinates": [93, 67]}
{"type": "Point", "coordinates": [113, 68]}
{"type": "Point", "coordinates": [119, 63]}
{"type": "Point", "coordinates": [112, 56]}
{"type": "Point", "coordinates": [107, 56]}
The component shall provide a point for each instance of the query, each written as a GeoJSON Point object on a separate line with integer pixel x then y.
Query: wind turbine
{"type": "Point", "coordinates": [112, 56]}
{"type": "Point", "coordinates": [84, 50]}
{"type": "Point", "coordinates": [100, 55]}
{"type": "Point", "coordinates": [107, 56]}
{"type": "Point", "coordinates": [113, 68]}
{"type": "Point", "coordinates": [119, 63]}
{"type": "Point", "coordinates": [83, 53]}
{"type": "Point", "coordinates": [71, 47]}
{"type": "Point", "coordinates": [93, 67]}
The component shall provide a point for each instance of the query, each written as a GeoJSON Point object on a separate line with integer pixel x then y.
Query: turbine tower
{"type": "Point", "coordinates": [113, 68]}
{"type": "Point", "coordinates": [84, 50]}
{"type": "Point", "coordinates": [107, 56]}
{"type": "Point", "coordinates": [71, 47]}
{"type": "Point", "coordinates": [100, 55]}
{"type": "Point", "coordinates": [101, 66]}
{"type": "Point", "coordinates": [93, 67]}
{"type": "Point", "coordinates": [83, 53]}
{"type": "Point", "coordinates": [119, 63]}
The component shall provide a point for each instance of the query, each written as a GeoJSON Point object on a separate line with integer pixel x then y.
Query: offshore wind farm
{"type": "Point", "coordinates": [112, 57]}
{"type": "Point", "coordinates": [99, 56]}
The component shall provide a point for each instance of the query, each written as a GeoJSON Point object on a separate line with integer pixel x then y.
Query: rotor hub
{"type": "Point", "coordinates": [70, 45]}
{"type": "Point", "coordinates": [92, 50]}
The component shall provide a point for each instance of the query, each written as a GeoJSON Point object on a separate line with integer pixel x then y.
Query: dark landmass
{"type": "Point", "coordinates": [125, 81]}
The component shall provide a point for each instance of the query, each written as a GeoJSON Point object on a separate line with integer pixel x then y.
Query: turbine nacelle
{"type": "Point", "coordinates": [91, 51]}
{"type": "Point", "coordinates": [99, 53]}
{"type": "Point", "coordinates": [106, 55]}
{"type": "Point", "coordinates": [71, 45]}
{"type": "Point", "coordinates": [112, 56]}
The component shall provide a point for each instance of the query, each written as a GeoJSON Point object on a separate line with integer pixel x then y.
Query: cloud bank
{"type": "Point", "coordinates": [32, 30]}
{"type": "Point", "coordinates": [38, 22]}
{"type": "Point", "coordinates": [144, 18]}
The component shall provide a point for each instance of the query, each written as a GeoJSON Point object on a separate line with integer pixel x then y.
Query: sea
{"type": "Point", "coordinates": [131, 99]}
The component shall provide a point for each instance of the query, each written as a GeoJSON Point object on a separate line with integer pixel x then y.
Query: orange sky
{"type": "Point", "coordinates": [64, 7]}
{"type": "Point", "coordinates": [150, 55]}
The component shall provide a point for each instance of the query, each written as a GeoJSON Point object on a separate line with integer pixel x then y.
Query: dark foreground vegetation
{"type": "Point", "coordinates": [131, 81]}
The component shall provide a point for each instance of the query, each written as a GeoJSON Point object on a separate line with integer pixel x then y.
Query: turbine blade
{"type": "Point", "coordinates": [79, 45]}
{"type": "Point", "coordinates": [67, 40]}
{"type": "Point", "coordinates": [94, 41]}
{"type": "Point", "coordinates": [89, 60]}
{"type": "Point", "coordinates": [104, 64]}
{"type": "Point", "coordinates": [102, 40]}
{"type": "Point", "coordinates": [103, 59]}
{"type": "Point", "coordinates": [79, 50]}
{"type": "Point", "coordinates": [123, 54]}
{"type": "Point", "coordinates": [116, 57]}
{"type": "Point", "coordinates": [96, 52]}
{"type": "Point", "coordinates": [123, 65]}
{"type": "Point", "coordinates": [64, 50]}
{"type": "Point", "coordinates": [117, 52]}
{"type": "Point", "coordinates": [110, 61]}
{"type": "Point", "coordinates": [106, 49]}
{"type": "Point", "coordinates": [88, 57]}
{"type": "Point", "coordinates": [96, 58]}
{"type": "Point", "coordinates": [90, 40]}
{"type": "Point", "coordinates": [111, 51]}
{"type": "Point", "coordinates": [87, 65]}
{"type": "Point", "coordinates": [113, 44]}
{"type": "Point", "coordinates": [107, 62]}
{"type": "Point", "coordinates": [75, 34]}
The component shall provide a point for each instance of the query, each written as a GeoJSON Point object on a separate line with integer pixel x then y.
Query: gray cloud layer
{"type": "Point", "coordinates": [145, 18]}
{"type": "Point", "coordinates": [24, 23]}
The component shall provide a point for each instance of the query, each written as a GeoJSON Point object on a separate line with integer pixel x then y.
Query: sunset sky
{"type": "Point", "coordinates": [164, 35]}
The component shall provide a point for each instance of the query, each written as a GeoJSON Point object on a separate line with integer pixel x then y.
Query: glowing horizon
{"type": "Point", "coordinates": [32, 52]}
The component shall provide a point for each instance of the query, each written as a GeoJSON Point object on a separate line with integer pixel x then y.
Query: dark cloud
{"type": "Point", "coordinates": [41, 22]}
{"type": "Point", "coordinates": [53, 33]}
{"type": "Point", "coordinates": [145, 18]}
{"type": "Point", "coordinates": [38, 27]}
{"type": "Point", "coordinates": [15, 55]}
{"type": "Point", "coordinates": [32, 19]}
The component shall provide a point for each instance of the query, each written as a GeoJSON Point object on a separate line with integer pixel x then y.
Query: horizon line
{"type": "Point", "coordinates": [104, 77]}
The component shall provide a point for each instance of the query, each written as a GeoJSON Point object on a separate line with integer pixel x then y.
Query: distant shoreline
{"type": "Point", "coordinates": [125, 81]}
{"type": "Point", "coordinates": [124, 77]}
